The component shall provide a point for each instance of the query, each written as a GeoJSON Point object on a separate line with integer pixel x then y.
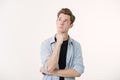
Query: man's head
{"type": "Point", "coordinates": [65, 20]}
{"type": "Point", "coordinates": [67, 12]}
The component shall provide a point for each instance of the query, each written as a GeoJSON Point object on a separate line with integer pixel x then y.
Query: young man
{"type": "Point", "coordinates": [61, 55]}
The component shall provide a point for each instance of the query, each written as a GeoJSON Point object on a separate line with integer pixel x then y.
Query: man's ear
{"type": "Point", "coordinates": [71, 25]}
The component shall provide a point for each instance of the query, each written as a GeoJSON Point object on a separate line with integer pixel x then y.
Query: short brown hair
{"type": "Point", "coordinates": [67, 12]}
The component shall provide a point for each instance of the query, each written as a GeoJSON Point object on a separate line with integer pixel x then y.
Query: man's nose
{"type": "Point", "coordinates": [61, 22]}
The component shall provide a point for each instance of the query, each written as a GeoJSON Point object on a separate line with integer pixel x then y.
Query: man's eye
{"type": "Point", "coordinates": [59, 19]}
{"type": "Point", "coordinates": [66, 21]}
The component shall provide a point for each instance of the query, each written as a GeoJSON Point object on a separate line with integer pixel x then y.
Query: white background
{"type": "Point", "coordinates": [25, 23]}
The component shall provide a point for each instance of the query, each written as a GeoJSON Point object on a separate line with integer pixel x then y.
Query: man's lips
{"type": "Point", "coordinates": [60, 26]}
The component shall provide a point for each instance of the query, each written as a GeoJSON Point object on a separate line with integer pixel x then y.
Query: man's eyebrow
{"type": "Point", "coordinates": [59, 17]}
{"type": "Point", "coordinates": [64, 20]}
{"type": "Point", "coordinates": [67, 19]}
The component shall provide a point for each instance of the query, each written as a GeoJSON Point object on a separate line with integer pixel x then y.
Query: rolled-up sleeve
{"type": "Point", "coordinates": [78, 60]}
{"type": "Point", "coordinates": [44, 53]}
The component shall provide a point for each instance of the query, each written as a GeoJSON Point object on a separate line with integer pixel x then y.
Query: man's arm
{"type": "Point", "coordinates": [52, 62]}
{"type": "Point", "coordinates": [66, 73]}
{"type": "Point", "coordinates": [63, 73]}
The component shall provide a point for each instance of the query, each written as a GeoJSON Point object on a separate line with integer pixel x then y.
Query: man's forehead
{"type": "Point", "coordinates": [64, 16]}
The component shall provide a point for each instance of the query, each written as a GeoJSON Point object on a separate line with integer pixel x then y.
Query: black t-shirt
{"type": "Point", "coordinates": [62, 57]}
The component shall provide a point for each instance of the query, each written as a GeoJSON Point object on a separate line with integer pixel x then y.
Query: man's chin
{"type": "Point", "coordinates": [59, 31]}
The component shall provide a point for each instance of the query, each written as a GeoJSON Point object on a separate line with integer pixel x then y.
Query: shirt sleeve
{"type": "Point", "coordinates": [78, 60]}
{"type": "Point", "coordinates": [44, 53]}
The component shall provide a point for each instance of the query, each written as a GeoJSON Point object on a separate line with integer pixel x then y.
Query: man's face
{"type": "Point", "coordinates": [63, 23]}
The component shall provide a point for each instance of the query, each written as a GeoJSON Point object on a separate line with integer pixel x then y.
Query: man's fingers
{"type": "Point", "coordinates": [42, 71]}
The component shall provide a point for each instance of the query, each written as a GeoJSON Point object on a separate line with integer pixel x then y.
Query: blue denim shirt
{"type": "Point", "coordinates": [74, 57]}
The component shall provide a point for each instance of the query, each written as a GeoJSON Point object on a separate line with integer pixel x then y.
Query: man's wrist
{"type": "Point", "coordinates": [54, 72]}
{"type": "Point", "coordinates": [58, 44]}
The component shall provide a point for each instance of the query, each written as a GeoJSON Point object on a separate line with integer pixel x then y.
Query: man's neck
{"type": "Point", "coordinates": [66, 36]}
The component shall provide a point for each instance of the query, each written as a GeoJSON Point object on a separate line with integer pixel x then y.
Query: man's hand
{"type": "Point", "coordinates": [43, 71]}
{"type": "Point", "coordinates": [59, 38]}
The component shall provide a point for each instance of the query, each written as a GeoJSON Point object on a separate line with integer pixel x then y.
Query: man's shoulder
{"type": "Point", "coordinates": [75, 41]}
{"type": "Point", "coordinates": [76, 44]}
{"type": "Point", "coordinates": [47, 40]}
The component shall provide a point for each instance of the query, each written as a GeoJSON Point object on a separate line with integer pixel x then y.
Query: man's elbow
{"type": "Point", "coordinates": [78, 75]}
{"type": "Point", "coordinates": [50, 69]}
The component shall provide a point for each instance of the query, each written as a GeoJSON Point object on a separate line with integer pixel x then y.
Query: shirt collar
{"type": "Point", "coordinates": [52, 39]}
